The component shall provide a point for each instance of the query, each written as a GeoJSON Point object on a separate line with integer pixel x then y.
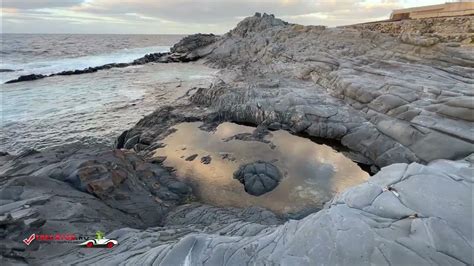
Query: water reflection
{"type": "Point", "coordinates": [313, 173]}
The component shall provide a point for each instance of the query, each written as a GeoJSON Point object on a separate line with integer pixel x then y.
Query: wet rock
{"type": "Point", "coordinates": [154, 57]}
{"type": "Point", "coordinates": [259, 177]}
{"type": "Point", "coordinates": [149, 58]}
{"type": "Point", "coordinates": [158, 159]}
{"type": "Point", "coordinates": [27, 78]}
{"type": "Point", "coordinates": [206, 159]}
{"type": "Point", "coordinates": [348, 231]}
{"type": "Point", "coordinates": [119, 178]}
{"type": "Point", "coordinates": [131, 142]}
{"type": "Point", "coordinates": [120, 141]}
{"type": "Point", "coordinates": [191, 157]}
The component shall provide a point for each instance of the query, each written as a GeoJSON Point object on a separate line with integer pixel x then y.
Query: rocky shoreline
{"type": "Point", "coordinates": [178, 54]}
{"type": "Point", "coordinates": [399, 101]}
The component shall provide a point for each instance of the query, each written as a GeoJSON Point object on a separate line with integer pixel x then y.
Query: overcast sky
{"type": "Point", "coordinates": [183, 16]}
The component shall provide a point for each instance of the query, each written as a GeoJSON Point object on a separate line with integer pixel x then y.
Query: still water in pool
{"type": "Point", "coordinates": [313, 173]}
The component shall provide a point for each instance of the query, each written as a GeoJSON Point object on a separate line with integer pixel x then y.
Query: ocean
{"type": "Point", "coordinates": [50, 53]}
{"type": "Point", "coordinates": [89, 108]}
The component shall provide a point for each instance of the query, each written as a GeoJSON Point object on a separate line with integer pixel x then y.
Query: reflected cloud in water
{"type": "Point", "coordinates": [313, 173]}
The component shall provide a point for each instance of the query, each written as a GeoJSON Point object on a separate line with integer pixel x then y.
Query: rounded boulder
{"type": "Point", "coordinates": [258, 177]}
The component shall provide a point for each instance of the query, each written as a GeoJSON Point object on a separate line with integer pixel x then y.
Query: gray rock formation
{"type": "Point", "coordinates": [388, 98]}
{"type": "Point", "coordinates": [401, 216]}
{"type": "Point", "coordinates": [191, 43]}
{"type": "Point", "coordinates": [383, 98]}
{"type": "Point", "coordinates": [75, 189]}
{"type": "Point", "coordinates": [397, 96]}
{"type": "Point", "coordinates": [258, 178]}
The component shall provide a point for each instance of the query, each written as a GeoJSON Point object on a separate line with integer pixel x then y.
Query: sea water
{"type": "Point", "coordinates": [89, 108]}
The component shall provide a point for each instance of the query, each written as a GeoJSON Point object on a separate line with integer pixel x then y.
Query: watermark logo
{"type": "Point", "coordinates": [28, 240]}
{"type": "Point", "coordinates": [83, 241]}
{"type": "Point", "coordinates": [99, 242]}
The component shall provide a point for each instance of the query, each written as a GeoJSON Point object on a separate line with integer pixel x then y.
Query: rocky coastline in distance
{"type": "Point", "coordinates": [396, 95]}
{"type": "Point", "coordinates": [174, 56]}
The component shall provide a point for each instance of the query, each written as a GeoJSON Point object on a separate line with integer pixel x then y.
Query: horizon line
{"type": "Point", "coordinates": [78, 33]}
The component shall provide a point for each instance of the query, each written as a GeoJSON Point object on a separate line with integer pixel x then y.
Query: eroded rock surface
{"type": "Point", "coordinates": [387, 98]}
{"type": "Point", "coordinates": [398, 98]}
{"type": "Point", "coordinates": [75, 189]}
{"type": "Point", "coordinates": [399, 217]}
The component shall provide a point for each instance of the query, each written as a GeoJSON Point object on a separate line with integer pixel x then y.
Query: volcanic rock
{"type": "Point", "coordinates": [259, 177]}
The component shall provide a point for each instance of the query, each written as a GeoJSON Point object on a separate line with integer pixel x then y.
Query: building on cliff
{"type": "Point", "coordinates": [460, 8]}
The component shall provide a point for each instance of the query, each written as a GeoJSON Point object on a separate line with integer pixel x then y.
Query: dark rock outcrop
{"type": "Point", "coordinates": [27, 78]}
{"type": "Point", "coordinates": [192, 42]}
{"type": "Point", "coordinates": [120, 179]}
{"type": "Point", "coordinates": [140, 61]}
{"type": "Point", "coordinates": [259, 177]}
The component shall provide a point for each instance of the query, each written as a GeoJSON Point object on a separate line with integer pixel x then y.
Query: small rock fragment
{"type": "Point", "coordinates": [206, 159]}
{"type": "Point", "coordinates": [191, 158]}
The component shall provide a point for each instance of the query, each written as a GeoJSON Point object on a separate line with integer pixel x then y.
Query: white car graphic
{"type": "Point", "coordinates": [109, 243]}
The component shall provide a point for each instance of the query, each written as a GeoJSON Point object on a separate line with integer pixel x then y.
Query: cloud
{"type": "Point", "coordinates": [185, 16]}
{"type": "Point", "coordinates": [200, 11]}
{"type": "Point", "coordinates": [347, 12]}
{"type": "Point", "coordinates": [35, 4]}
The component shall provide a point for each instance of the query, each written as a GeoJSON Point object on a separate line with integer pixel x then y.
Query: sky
{"type": "Point", "coordinates": [183, 16]}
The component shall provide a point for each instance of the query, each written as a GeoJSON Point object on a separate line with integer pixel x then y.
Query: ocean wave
{"type": "Point", "coordinates": [66, 64]}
